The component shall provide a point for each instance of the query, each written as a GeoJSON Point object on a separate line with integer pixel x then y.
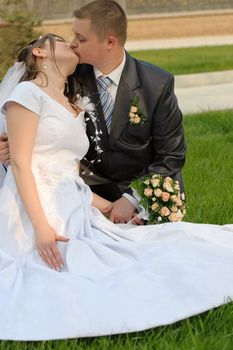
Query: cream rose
{"type": "Point", "coordinates": [134, 109]}
{"type": "Point", "coordinates": [164, 211]}
{"type": "Point", "coordinates": [147, 182]}
{"type": "Point", "coordinates": [154, 206]}
{"type": "Point", "coordinates": [176, 200]}
{"type": "Point", "coordinates": [173, 198]}
{"type": "Point", "coordinates": [182, 196]}
{"type": "Point", "coordinates": [173, 209]}
{"type": "Point", "coordinates": [167, 186]}
{"type": "Point", "coordinates": [155, 182]}
{"type": "Point", "coordinates": [137, 119]}
{"type": "Point", "coordinates": [148, 192]}
{"type": "Point", "coordinates": [165, 196]}
{"type": "Point", "coordinates": [168, 179]}
{"type": "Point", "coordinates": [158, 192]}
{"type": "Point", "coordinates": [173, 217]}
{"type": "Point", "coordinates": [179, 215]}
{"type": "Point", "coordinates": [132, 119]}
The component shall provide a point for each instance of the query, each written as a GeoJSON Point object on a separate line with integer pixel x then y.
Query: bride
{"type": "Point", "coordinates": [66, 271]}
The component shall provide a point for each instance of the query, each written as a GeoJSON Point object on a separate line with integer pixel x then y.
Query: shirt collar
{"type": "Point", "coordinates": [115, 75]}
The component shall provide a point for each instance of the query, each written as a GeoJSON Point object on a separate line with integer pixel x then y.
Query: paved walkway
{"type": "Point", "coordinates": [204, 91]}
{"type": "Point", "coordinates": [133, 45]}
{"type": "Point", "coordinates": [205, 98]}
{"type": "Point", "coordinates": [196, 92]}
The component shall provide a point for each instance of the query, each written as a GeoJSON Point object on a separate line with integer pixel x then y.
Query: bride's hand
{"type": "Point", "coordinates": [46, 238]}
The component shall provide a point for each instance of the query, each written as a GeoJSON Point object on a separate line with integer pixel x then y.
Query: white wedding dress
{"type": "Point", "coordinates": [116, 278]}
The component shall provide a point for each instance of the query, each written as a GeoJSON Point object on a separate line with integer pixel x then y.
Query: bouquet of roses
{"type": "Point", "coordinates": [160, 198]}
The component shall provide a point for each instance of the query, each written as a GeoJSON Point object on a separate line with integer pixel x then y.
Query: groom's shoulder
{"type": "Point", "coordinates": [146, 69]}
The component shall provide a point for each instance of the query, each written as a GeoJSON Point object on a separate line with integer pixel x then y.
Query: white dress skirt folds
{"type": "Point", "coordinates": [116, 278]}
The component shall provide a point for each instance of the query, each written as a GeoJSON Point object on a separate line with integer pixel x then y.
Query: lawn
{"type": "Point", "coordinates": [190, 60]}
{"type": "Point", "coordinates": [208, 181]}
{"type": "Point", "coordinates": [208, 171]}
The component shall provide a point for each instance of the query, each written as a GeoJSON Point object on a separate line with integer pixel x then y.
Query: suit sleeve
{"type": "Point", "coordinates": [168, 135]}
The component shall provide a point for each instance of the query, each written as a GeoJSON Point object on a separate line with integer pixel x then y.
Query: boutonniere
{"type": "Point", "coordinates": [136, 115]}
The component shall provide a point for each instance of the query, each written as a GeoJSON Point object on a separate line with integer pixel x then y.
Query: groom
{"type": "Point", "coordinates": [149, 140]}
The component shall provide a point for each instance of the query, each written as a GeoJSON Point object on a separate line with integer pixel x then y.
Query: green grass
{"type": "Point", "coordinates": [210, 331]}
{"type": "Point", "coordinates": [190, 60]}
{"type": "Point", "coordinates": [208, 171]}
{"type": "Point", "coordinates": [208, 181]}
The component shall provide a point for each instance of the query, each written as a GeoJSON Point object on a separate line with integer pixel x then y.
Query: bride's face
{"type": "Point", "coordinates": [65, 59]}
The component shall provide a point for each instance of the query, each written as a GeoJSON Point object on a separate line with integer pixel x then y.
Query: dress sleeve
{"type": "Point", "coordinates": [27, 95]}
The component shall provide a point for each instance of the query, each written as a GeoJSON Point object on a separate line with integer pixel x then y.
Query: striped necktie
{"type": "Point", "coordinates": [106, 100]}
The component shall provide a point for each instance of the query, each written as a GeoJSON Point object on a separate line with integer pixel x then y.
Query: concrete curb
{"type": "Point", "coordinates": [204, 79]}
{"type": "Point", "coordinates": [205, 98]}
{"type": "Point", "coordinates": [198, 41]}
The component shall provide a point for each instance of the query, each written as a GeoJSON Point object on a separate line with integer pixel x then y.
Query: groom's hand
{"type": "Point", "coordinates": [4, 149]}
{"type": "Point", "coordinates": [121, 211]}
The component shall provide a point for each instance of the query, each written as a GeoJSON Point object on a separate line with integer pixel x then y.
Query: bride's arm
{"type": "Point", "coordinates": [22, 125]}
{"type": "Point", "coordinates": [100, 202]}
{"type": "Point", "coordinates": [97, 201]}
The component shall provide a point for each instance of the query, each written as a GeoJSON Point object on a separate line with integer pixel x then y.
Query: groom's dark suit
{"type": "Point", "coordinates": [131, 151]}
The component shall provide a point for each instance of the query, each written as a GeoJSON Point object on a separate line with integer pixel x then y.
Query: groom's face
{"type": "Point", "coordinates": [86, 44]}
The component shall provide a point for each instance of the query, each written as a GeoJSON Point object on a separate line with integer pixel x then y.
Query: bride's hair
{"type": "Point", "coordinates": [25, 55]}
{"type": "Point", "coordinates": [32, 69]}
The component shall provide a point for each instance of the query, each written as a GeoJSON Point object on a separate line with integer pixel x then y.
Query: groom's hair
{"type": "Point", "coordinates": [107, 17]}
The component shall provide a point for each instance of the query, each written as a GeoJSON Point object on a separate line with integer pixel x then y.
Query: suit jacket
{"type": "Point", "coordinates": [131, 151]}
